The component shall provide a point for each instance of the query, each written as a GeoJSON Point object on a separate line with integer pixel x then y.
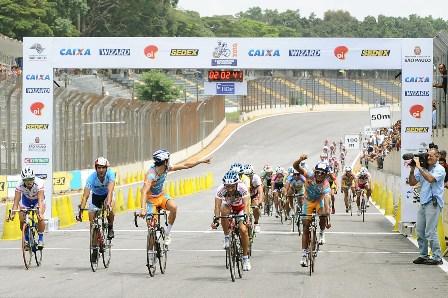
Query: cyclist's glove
{"type": "Point", "coordinates": [215, 221]}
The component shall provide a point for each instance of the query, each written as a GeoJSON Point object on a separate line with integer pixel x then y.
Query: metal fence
{"type": "Point", "coordinates": [271, 92]}
{"type": "Point", "coordinates": [87, 125]}
{"type": "Point", "coordinates": [440, 97]}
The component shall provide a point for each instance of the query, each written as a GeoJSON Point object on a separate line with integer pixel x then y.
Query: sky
{"type": "Point", "coordinates": [357, 8]}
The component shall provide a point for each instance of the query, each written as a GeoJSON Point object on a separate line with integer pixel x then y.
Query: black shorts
{"type": "Point", "coordinates": [98, 200]}
{"type": "Point", "coordinates": [278, 185]}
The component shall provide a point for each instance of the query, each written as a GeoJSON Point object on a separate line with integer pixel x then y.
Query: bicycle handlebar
{"type": "Point", "coordinates": [163, 213]}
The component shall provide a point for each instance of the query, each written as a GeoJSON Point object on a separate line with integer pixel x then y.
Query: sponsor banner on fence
{"type": "Point", "coordinates": [225, 88]}
{"type": "Point", "coordinates": [61, 181]}
{"type": "Point", "coordinates": [3, 187]}
{"type": "Point", "coordinates": [416, 111]}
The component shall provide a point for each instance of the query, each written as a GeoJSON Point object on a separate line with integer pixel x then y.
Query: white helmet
{"type": "Point", "coordinates": [160, 155]}
{"type": "Point", "coordinates": [348, 169]}
{"type": "Point", "coordinates": [267, 168]}
{"type": "Point", "coordinates": [27, 173]}
{"type": "Point", "coordinates": [279, 170]}
{"type": "Point", "coordinates": [363, 171]}
{"type": "Point", "coordinates": [102, 161]}
{"type": "Point", "coordinates": [325, 148]}
{"type": "Point", "coordinates": [248, 169]}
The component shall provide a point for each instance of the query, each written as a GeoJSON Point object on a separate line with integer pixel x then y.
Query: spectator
{"type": "Point", "coordinates": [434, 114]}
{"type": "Point", "coordinates": [442, 162]}
{"type": "Point", "coordinates": [431, 204]}
{"type": "Point", "coordinates": [443, 72]}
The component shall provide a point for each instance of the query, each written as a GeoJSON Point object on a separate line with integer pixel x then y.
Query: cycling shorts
{"type": "Point", "coordinates": [26, 202]}
{"type": "Point", "coordinates": [97, 201]}
{"type": "Point", "coordinates": [309, 206]}
{"type": "Point", "coordinates": [278, 186]}
{"type": "Point", "coordinates": [154, 203]}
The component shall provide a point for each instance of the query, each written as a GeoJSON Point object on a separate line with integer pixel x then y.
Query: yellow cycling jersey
{"type": "Point", "coordinates": [246, 181]}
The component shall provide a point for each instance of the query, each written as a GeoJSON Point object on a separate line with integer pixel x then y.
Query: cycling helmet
{"type": "Point", "coordinates": [102, 162]}
{"type": "Point", "coordinates": [160, 155]}
{"type": "Point", "coordinates": [279, 170]}
{"type": "Point", "coordinates": [363, 171]}
{"type": "Point", "coordinates": [323, 167]}
{"type": "Point", "coordinates": [331, 146]}
{"type": "Point", "coordinates": [230, 177]}
{"type": "Point", "coordinates": [267, 168]}
{"type": "Point", "coordinates": [290, 170]}
{"type": "Point", "coordinates": [27, 173]}
{"type": "Point", "coordinates": [237, 167]}
{"type": "Point", "coordinates": [348, 169]}
{"type": "Point", "coordinates": [325, 148]}
{"type": "Point", "coordinates": [248, 169]}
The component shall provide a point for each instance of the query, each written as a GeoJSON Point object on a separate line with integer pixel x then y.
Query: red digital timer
{"type": "Point", "coordinates": [225, 75]}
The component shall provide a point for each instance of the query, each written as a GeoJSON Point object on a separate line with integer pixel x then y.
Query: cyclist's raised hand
{"type": "Point", "coordinates": [207, 160]}
{"type": "Point", "coordinates": [303, 157]}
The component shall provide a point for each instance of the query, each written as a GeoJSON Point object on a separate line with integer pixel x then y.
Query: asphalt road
{"type": "Point", "coordinates": [358, 260]}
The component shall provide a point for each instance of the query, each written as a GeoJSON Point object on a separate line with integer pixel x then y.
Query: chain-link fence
{"type": "Point", "coordinates": [270, 92]}
{"type": "Point", "coordinates": [440, 97]}
{"type": "Point", "coordinates": [126, 131]}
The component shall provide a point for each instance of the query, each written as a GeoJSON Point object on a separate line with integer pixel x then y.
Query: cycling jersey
{"type": "Point", "coordinates": [347, 180]}
{"type": "Point", "coordinates": [266, 178]}
{"type": "Point", "coordinates": [96, 186]}
{"type": "Point", "coordinates": [315, 191]}
{"type": "Point", "coordinates": [363, 179]}
{"type": "Point", "coordinates": [245, 180]}
{"type": "Point", "coordinates": [29, 195]}
{"type": "Point", "coordinates": [297, 184]}
{"type": "Point", "coordinates": [157, 181]}
{"type": "Point", "coordinates": [235, 200]}
{"type": "Point", "coordinates": [256, 181]}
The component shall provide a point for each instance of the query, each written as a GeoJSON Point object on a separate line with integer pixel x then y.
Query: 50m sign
{"type": "Point", "coordinates": [380, 117]}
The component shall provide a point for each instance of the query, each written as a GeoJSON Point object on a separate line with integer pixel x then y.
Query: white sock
{"type": "Point", "coordinates": [168, 229]}
{"type": "Point", "coordinates": [304, 252]}
{"type": "Point", "coordinates": [245, 257]}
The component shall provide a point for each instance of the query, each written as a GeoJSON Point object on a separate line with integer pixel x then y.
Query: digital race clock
{"type": "Point", "coordinates": [225, 75]}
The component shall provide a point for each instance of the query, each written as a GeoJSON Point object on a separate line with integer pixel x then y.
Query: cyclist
{"type": "Point", "coordinates": [295, 185]}
{"type": "Point", "coordinates": [277, 182]}
{"type": "Point", "coordinates": [341, 144]}
{"type": "Point", "coordinates": [153, 196]}
{"type": "Point", "coordinates": [239, 168]}
{"type": "Point", "coordinates": [333, 187]}
{"type": "Point", "coordinates": [333, 148]}
{"type": "Point", "coordinates": [233, 197]}
{"type": "Point", "coordinates": [317, 196]}
{"type": "Point", "coordinates": [28, 194]}
{"type": "Point", "coordinates": [266, 176]}
{"type": "Point", "coordinates": [363, 182]}
{"type": "Point", "coordinates": [256, 193]}
{"type": "Point", "coordinates": [324, 157]}
{"type": "Point", "coordinates": [342, 159]}
{"type": "Point", "coordinates": [326, 151]}
{"type": "Point", "coordinates": [101, 184]}
{"type": "Point", "coordinates": [347, 181]}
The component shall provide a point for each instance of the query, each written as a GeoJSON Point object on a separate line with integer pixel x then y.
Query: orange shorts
{"type": "Point", "coordinates": [154, 203]}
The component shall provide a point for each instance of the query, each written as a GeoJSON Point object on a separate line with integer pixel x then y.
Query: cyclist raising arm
{"type": "Point", "coordinates": [317, 197]}
{"type": "Point", "coordinates": [153, 196]}
{"type": "Point", "coordinates": [29, 193]}
{"type": "Point", "coordinates": [232, 197]}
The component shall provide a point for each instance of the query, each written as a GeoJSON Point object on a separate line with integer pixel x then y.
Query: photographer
{"type": "Point", "coordinates": [431, 203]}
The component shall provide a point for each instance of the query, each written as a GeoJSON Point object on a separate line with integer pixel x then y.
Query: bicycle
{"type": "Point", "coordinates": [29, 228]}
{"type": "Point", "coordinates": [99, 242]}
{"type": "Point", "coordinates": [296, 219]}
{"type": "Point", "coordinates": [234, 253]}
{"type": "Point", "coordinates": [251, 228]}
{"type": "Point", "coordinates": [313, 246]}
{"type": "Point", "coordinates": [363, 198]}
{"type": "Point", "coordinates": [268, 205]}
{"type": "Point", "coordinates": [155, 242]}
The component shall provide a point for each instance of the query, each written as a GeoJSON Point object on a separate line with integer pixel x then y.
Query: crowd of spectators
{"type": "Point", "coordinates": [377, 146]}
{"type": "Point", "coordinates": [9, 72]}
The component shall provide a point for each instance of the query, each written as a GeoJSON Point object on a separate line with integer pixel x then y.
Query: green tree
{"type": "Point", "coordinates": [156, 86]}
{"type": "Point", "coordinates": [24, 18]}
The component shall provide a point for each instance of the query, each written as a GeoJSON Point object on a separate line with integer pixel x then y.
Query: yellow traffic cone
{"type": "Point", "coordinates": [389, 203]}
{"type": "Point", "coordinates": [171, 189]}
{"type": "Point", "coordinates": [11, 229]}
{"type": "Point", "coordinates": [441, 234]}
{"type": "Point", "coordinates": [70, 212]}
{"type": "Point", "coordinates": [54, 210]}
{"type": "Point", "coordinates": [138, 198]}
{"type": "Point", "coordinates": [131, 200]}
{"type": "Point", "coordinates": [62, 211]}
{"type": "Point", "coordinates": [119, 203]}
{"type": "Point", "coordinates": [397, 216]}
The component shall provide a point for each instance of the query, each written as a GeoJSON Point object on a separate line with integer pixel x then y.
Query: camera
{"type": "Point", "coordinates": [423, 157]}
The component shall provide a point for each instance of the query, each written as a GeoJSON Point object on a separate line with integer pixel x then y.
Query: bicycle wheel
{"type": "Point", "coordinates": [151, 256]}
{"type": "Point", "coordinates": [232, 259]}
{"type": "Point", "coordinates": [107, 248]}
{"type": "Point", "coordinates": [239, 255]}
{"type": "Point", "coordinates": [363, 208]}
{"type": "Point", "coordinates": [94, 249]}
{"type": "Point", "coordinates": [350, 198]}
{"type": "Point", "coordinates": [162, 251]}
{"type": "Point", "coordinates": [311, 250]}
{"type": "Point", "coordinates": [27, 252]}
{"type": "Point", "coordinates": [37, 252]}
{"type": "Point", "coordinates": [299, 221]}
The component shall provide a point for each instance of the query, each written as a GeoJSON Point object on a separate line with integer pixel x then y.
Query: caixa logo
{"type": "Point", "coordinates": [417, 80]}
{"type": "Point", "coordinates": [75, 52]}
{"type": "Point", "coordinates": [37, 77]}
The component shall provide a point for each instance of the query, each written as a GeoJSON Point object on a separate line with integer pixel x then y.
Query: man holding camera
{"type": "Point", "coordinates": [431, 204]}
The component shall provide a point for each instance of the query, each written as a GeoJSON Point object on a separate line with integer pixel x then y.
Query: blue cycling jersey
{"type": "Point", "coordinates": [157, 180]}
{"type": "Point", "coordinates": [96, 186]}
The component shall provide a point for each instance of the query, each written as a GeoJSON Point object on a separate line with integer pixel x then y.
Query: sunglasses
{"type": "Point", "coordinates": [28, 180]}
{"type": "Point", "coordinates": [320, 173]}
